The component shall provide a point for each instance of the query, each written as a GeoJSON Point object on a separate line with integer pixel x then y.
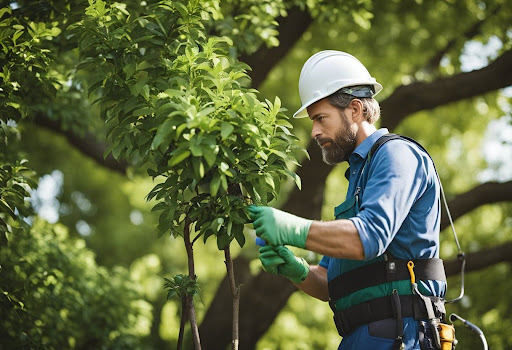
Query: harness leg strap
{"type": "Point", "coordinates": [397, 311]}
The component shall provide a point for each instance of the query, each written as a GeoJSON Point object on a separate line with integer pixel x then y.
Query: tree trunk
{"type": "Point", "coordinates": [235, 294]}
{"type": "Point", "coordinates": [190, 299]}
{"type": "Point", "coordinates": [183, 321]}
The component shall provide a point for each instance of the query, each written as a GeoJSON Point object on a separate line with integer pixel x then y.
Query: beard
{"type": "Point", "coordinates": [341, 147]}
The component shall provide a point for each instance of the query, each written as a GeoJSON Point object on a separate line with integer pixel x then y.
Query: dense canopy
{"type": "Point", "coordinates": [110, 110]}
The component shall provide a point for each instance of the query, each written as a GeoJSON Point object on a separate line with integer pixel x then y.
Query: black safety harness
{"type": "Point", "coordinates": [394, 306]}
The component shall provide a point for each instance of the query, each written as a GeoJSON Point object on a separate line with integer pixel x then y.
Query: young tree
{"type": "Point", "coordinates": [174, 99]}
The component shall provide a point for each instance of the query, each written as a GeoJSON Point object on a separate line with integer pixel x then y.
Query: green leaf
{"type": "Point", "coordinates": [198, 167]}
{"type": "Point", "coordinates": [228, 153]}
{"type": "Point", "coordinates": [209, 155]}
{"type": "Point", "coordinates": [270, 181]}
{"type": "Point", "coordinates": [295, 177]}
{"type": "Point", "coordinates": [196, 150]}
{"type": "Point", "coordinates": [171, 93]}
{"type": "Point", "coordinates": [239, 234]}
{"type": "Point", "coordinates": [162, 132]}
{"type": "Point", "coordinates": [145, 92]}
{"type": "Point", "coordinates": [207, 233]}
{"type": "Point", "coordinates": [159, 206]}
{"type": "Point", "coordinates": [224, 182]}
{"type": "Point", "coordinates": [206, 111]}
{"type": "Point", "coordinates": [284, 122]}
{"type": "Point", "coordinates": [215, 184]}
{"type": "Point", "coordinates": [178, 155]}
{"type": "Point", "coordinates": [226, 129]}
{"type": "Point", "coordinates": [223, 241]}
{"type": "Point", "coordinates": [142, 111]}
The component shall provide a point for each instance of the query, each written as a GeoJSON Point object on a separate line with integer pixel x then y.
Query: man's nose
{"type": "Point", "coordinates": [315, 131]}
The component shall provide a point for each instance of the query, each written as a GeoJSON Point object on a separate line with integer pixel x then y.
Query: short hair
{"type": "Point", "coordinates": [371, 108]}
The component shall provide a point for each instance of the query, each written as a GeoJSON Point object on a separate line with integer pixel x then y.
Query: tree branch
{"type": "Point", "coordinates": [481, 259]}
{"type": "Point", "coordinates": [87, 144]}
{"type": "Point", "coordinates": [473, 31]}
{"type": "Point", "coordinates": [264, 59]}
{"type": "Point", "coordinates": [416, 97]}
{"type": "Point", "coordinates": [487, 193]}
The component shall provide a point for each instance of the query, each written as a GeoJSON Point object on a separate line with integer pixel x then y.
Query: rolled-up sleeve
{"type": "Point", "coordinates": [397, 177]}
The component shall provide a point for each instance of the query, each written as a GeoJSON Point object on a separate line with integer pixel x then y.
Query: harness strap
{"type": "Point", "coordinates": [382, 308]}
{"type": "Point", "coordinates": [382, 272]}
{"type": "Point", "coordinates": [390, 136]}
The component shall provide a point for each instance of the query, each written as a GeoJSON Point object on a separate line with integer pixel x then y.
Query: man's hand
{"type": "Point", "coordinates": [277, 227]}
{"type": "Point", "coordinates": [270, 260]}
{"type": "Point", "coordinates": [281, 260]}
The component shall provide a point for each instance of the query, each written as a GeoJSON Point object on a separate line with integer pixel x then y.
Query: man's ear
{"type": "Point", "coordinates": [357, 109]}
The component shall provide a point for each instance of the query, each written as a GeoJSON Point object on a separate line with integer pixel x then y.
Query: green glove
{"type": "Point", "coordinates": [295, 269]}
{"type": "Point", "coordinates": [270, 259]}
{"type": "Point", "coordinates": [281, 260]}
{"type": "Point", "coordinates": [277, 227]}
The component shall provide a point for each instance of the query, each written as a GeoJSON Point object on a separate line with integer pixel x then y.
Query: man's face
{"type": "Point", "coordinates": [333, 131]}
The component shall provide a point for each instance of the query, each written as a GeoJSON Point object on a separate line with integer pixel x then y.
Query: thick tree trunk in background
{"type": "Point", "coordinates": [261, 298]}
{"type": "Point", "coordinates": [264, 59]}
{"type": "Point", "coordinates": [307, 202]}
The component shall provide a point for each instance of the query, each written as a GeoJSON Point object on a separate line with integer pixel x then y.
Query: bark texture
{"type": "Point", "coordinates": [264, 59]}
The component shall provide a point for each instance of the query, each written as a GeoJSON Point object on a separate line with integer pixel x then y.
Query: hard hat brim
{"type": "Point", "coordinates": [303, 113]}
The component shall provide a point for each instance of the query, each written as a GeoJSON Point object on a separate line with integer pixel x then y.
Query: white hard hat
{"type": "Point", "coordinates": [326, 72]}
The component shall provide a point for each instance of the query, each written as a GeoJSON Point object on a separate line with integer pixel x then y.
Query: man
{"type": "Point", "coordinates": [390, 218]}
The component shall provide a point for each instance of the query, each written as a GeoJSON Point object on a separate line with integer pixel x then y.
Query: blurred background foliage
{"type": "Point", "coordinates": [81, 265]}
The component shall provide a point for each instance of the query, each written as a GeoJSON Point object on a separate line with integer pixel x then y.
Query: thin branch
{"type": "Point", "coordinates": [192, 275]}
{"type": "Point", "coordinates": [183, 321]}
{"type": "Point", "coordinates": [235, 294]}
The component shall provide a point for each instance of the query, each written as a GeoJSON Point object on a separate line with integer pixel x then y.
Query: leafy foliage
{"type": "Point", "coordinates": [177, 102]}
{"type": "Point", "coordinates": [39, 78]}
{"type": "Point", "coordinates": [22, 48]}
{"type": "Point", "coordinates": [14, 189]}
{"type": "Point", "coordinates": [181, 286]}
{"type": "Point", "coordinates": [54, 296]}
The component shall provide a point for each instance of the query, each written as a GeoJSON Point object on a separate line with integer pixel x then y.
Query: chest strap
{"type": "Point", "coordinates": [384, 271]}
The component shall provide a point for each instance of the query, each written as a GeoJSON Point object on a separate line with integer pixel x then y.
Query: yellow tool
{"type": "Point", "coordinates": [410, 266]}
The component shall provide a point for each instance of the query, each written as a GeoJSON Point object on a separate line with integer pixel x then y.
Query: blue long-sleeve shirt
{"type": "Point", "coordinates": [399, 203]}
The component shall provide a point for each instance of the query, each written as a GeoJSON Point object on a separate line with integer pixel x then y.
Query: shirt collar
{"type": "Point", "coordinates": [365, 146]}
